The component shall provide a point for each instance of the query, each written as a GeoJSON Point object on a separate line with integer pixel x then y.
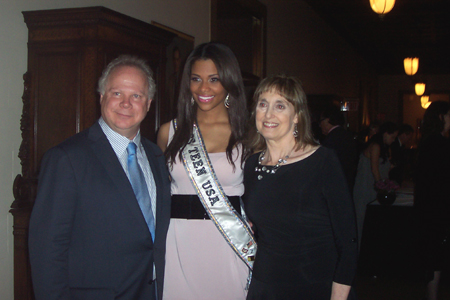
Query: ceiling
{"type": "Point", "coordinates": [414, 28]}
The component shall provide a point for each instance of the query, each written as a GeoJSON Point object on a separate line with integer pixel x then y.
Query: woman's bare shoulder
{"type": "Point", "coordinates": [163, 136]}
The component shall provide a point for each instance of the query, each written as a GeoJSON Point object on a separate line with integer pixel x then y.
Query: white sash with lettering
{"type": "Point", "coordinates": [230, 224]}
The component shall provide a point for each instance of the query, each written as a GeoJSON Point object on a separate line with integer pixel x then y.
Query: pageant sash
{"type": "Point", "coordinates": [230, 224]}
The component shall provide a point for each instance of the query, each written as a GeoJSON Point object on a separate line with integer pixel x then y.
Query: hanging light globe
{"type": "Point", "coordinates": [420, 88]}
{"type": "Point", "coordinates": [425, 101]}
{"type": "Point", "coordinates": [382, 7]}
{"type": "Point", "coordinates": [411, 65]}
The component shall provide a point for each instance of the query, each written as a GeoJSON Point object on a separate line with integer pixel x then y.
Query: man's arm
{"type": "Point", "coordinates": [51, 226]}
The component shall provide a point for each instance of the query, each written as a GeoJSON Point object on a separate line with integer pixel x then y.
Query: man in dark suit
{"type": "Point", "coordinates": [99, 223]}
{"type": "Point", "coordinates": [341, 141]}
{"type": "Point", "coordinates": [399, 153]}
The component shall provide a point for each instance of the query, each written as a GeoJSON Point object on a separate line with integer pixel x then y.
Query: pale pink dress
{"type": "Point", "coordinates": [200, 265]}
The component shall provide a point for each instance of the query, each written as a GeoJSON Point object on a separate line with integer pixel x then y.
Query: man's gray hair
{"type": "Point", "coordinates": [128, 61]}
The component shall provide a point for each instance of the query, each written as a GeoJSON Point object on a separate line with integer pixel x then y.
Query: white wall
{"type": "Point", "coordinates": [13, 64]}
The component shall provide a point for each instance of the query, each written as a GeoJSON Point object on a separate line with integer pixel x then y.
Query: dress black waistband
{"type": "Point", "coordinates": [190, 207]}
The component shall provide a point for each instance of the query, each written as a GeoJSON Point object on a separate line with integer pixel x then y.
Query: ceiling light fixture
{"type": "Point", "coordinates": [425, 101]}
{"type": "Point", "coordinates": [420, 88]}
{"type": "Point", "coordinates": [411, 65]}
{"type": "Point", "coordinates": [382, 7]}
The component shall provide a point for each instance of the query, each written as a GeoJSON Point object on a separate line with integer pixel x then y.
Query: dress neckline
{"type": "Point", "coordinates": [303, 159]}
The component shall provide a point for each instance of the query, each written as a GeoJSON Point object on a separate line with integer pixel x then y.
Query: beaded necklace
{"type": "Point", "coordinates": [269, 170]}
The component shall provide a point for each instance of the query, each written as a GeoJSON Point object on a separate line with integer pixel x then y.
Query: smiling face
{"type": "Point", "coordinates": [275, 117]}
{"type": "Point", "coordinates": [125, 102]}
{"type": "Point", "coordinates": [205, 85]}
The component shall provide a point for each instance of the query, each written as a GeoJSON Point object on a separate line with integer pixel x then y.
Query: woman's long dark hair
{"type": "Point", "coordinates": [231, 79]}
{"type": "Point", "coordinates": [433, 119]}
{"type": "Point", "coordinates": [387, 127]}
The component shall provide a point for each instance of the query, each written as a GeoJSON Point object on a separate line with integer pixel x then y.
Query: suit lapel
{"type": "Point", "coordinates": [108, 158]}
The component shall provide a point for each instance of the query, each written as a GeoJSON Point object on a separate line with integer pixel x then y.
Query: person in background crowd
{"type": "Point", "coordinates": [297, 198]}
{"type": "Point", "coordinates": [340, 140]}
{"type": "Point", "coordinates": [399, 153]}
{"type": "Point", "coordinates": [431, 192]}
{"type": "Point", "coordinates": [373, 166]}
{"type": "Point", "coordinates": [366, 134]}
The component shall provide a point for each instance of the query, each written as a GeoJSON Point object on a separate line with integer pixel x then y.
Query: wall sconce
{"type": "Point", "coordinates": [411, 65]}
{"type": "Point", "coordinates": [425, 101]}
{"type": "Point", "coordinates": [420, 88]}
{"type": "Point", "coordinates": [382, 7]}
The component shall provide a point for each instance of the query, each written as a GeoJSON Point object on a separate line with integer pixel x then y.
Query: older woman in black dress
{"type": "Point", "coordinates": [431, 194]}
{"type": "Point", "coordinates": [298, 200]}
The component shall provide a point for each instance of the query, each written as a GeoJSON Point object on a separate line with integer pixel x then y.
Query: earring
{"type": "Point", "coordinates": [192, 101]}
{"type": "Point", "coordinates": [295, 133]}
{"type": "Point", "coordinates": [227, 101]}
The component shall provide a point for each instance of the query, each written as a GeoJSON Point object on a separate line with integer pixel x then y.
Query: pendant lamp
{"type": "Point", "coordinates": [382, 7]}
{"type": "Point", "coordinates": [420, 88]}
{"type": "Point", "coordinates": [425, 101]}
{"type": "Point", "coordinates": [411, 65]}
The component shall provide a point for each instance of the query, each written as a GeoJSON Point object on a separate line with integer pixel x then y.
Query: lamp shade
{"type": "Point", "coordinates": [382, 6]}
{"type": "Point", "coordinates": [424, 101]}
{"type": "Point", "coordinates": [411, 65]}
{"type": "Point", "coordinates": [420, 88]}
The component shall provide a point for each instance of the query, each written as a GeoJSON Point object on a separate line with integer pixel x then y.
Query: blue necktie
{"type": "Point", "coordinates": [140, 188]}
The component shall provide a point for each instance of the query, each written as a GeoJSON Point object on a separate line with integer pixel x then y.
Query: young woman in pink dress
{"type": "Point", "coordinates": [203, 258]}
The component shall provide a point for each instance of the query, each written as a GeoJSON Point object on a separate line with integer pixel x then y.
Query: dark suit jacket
{"type": "Point", "coordinates": [398, 160]}
{"type": "Point", "coordinates": [88, 238]}
{"type": "Point", "coordinates": [342, 142]}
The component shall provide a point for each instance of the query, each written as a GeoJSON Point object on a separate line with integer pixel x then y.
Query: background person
{"type": "Point", "coordinates": [373, 166]}
{"type": "Point", "coordinates": [297, 198]}
{"type": "Point", "coordinates": [92, 229]}
{"type": "Point", "coordinates": [431, 194]}
{"type": "Point", "coordinates": [399, 153]}
{"type": "Point", "coordinates": [341, 141]}
{"type": "Point", "coordinates": [201, 264]}
{"type": "Point", "coordinates": [366, 134]}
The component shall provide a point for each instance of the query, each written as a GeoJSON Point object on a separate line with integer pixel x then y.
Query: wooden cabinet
{"type": "Point", "coordinates": [67, 51]}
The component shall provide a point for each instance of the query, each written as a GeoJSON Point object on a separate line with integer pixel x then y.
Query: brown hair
{"type": "Point", "coordinates": [291, 89]}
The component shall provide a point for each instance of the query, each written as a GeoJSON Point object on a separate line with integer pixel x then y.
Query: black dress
{"type": "Point", "coordinates": [305, 225]}
{"type": "Point", "coordinates": [432, 200]}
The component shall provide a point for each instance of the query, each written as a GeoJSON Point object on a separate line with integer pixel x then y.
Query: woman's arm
{"type": "Point", "coordinates": [339, 291]}
{"type": "Point", "coordinates": [342, 216]}
{"type": "Point", "coordinates": [163, 136]}
{"type": "Point", "coordinates": [374, 154]}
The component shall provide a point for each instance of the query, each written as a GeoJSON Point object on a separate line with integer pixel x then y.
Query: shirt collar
{"type": "Point", "coordinates": [118, 142]}
{"type": "Point", "coordinates": [332, 128]}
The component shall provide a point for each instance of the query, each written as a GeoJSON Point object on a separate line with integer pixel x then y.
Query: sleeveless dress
{"type": "Point", "coordinates": [199, 262]}
{"type": "Point", "coordinates": [364, 189]}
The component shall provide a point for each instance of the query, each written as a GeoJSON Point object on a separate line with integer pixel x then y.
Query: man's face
{"type": "Point", "coordinates": [405, 138]}
{"type": "Point", "coordinates": [125, 101]}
